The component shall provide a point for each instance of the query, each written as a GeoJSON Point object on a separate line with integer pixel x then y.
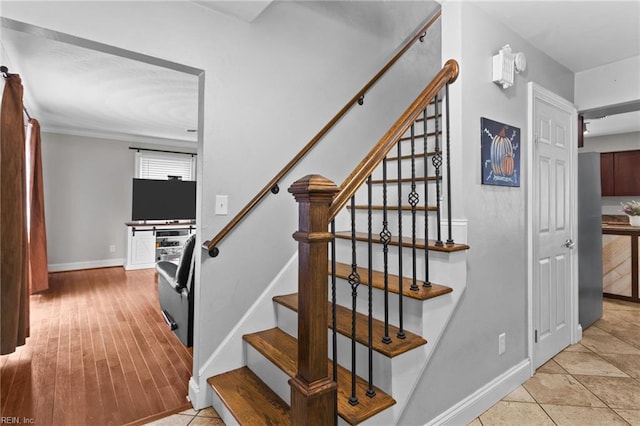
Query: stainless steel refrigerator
{"type": "Point", "coordinates": [589, 239]}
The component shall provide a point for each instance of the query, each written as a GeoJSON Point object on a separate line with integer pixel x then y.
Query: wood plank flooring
{"type": "Point", "coordinates": [99, 353]}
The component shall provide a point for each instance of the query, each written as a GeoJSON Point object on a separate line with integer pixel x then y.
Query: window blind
{"type": "Point", "coordinates": [154, 166]}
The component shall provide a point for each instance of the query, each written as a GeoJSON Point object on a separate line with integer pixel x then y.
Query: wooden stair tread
{"type": "Point", "coordinates": [404, 180]}
{"type": "Point", "coordinates": [406, 242]}
{"type": "Point", "coordinates": [249, 399]}
{"type": "Point", "coordinates": [343, 270]}
{"type": "Point", "coordinates": [394, 208]}
{"type": "Point", "coordinates": [343, 323]}
{"type": "Point", "coordinates": [281, 349]}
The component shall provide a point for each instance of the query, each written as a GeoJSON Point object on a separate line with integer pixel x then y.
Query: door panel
{"type": "Point", "coordinates": [552, 276]}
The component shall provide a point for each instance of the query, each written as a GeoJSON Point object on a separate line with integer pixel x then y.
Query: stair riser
{"type": "Point", "coordinates": [392, 197]}
{"type": "Point", "coordinates": [223, 411]}
{"type": "Point", "coordinates": [287, 321]}
{"type": "Point", "coordinates": [438, 261]}
{"type": "Point", "coordinates": [412, 319]}
{"type": "Point", "coordinates": [275, 378]}
{"type": "Point", "coordinates": [362, 223]}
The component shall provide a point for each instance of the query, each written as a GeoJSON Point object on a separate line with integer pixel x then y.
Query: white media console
{"type": "Point", "coordinates": [148, 243]}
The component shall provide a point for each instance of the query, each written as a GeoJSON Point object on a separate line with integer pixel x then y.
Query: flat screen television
{"type": "Point", "coordinates": [169, 200]}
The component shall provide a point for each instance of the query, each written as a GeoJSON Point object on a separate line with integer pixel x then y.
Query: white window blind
{"type": "Point", "coordinates": [162, 166]}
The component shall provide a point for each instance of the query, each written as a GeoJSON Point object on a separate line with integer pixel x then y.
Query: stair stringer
{"type": "Point", "coordinates": [231, 353]}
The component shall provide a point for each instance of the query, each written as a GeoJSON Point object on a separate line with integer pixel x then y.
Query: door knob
{"type": "Point", "coordinates": [569, 243]}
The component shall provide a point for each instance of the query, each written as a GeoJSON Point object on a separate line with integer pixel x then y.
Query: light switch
{"type": "Point", "coordinates": [222, 205]}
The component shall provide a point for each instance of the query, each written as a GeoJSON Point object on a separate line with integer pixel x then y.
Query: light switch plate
{"type": "Point", "coordinates": [222, 205]}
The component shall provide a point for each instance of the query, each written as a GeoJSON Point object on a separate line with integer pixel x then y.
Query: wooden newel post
{"type": "Point", "coordinates": [313, 392]}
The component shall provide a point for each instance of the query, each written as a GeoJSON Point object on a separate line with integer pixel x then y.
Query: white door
{"type": "Point", "coordinates": [553, 213]}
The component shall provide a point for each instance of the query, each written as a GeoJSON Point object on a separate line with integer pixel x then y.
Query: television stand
{"type": "Point", "coordinates": [148, 243]}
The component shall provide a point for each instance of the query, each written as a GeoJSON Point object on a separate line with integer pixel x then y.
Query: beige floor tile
{"type": "Point", "coordinates": [173, 420]}
{"type": "Point", "coordinates": [189, 412]}
{"type": "Point", "coordinates": [208, 412]}
{"type": "Point", "coordinates": [560, 389]}
{"type": "Point", "coordinates": [570, 416]}
{"type": "Point", "coordinates": [519, 395]}
{"type": "Point", "coordinates": [616, 392]}
{"type": "Point", "coordinates": [551, 367]}
{"type": "Point", "coordinates": [588, 364]}
{"type": "Point", "coordinates": [510, 413]}
{"type": "Point", "coordinates": [608, 344]}
{"type": "Point", "coordinates": [594, 331]}
{"type": "Point", "coordinates": [615, 305]}
{"type": "Point", "coordinates": [632, 416]}
{"type": "Point", "coordinates": [475, 422]}
{"type": "Point", "coordinates": [576, 348]}
{"type": "Point", "coordinates": [628, 363]}
{"type": "Point", "coordinates": [206, 421]}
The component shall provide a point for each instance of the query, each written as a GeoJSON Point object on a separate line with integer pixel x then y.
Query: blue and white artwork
{"type": "Point", "coordinates": [500, 145]}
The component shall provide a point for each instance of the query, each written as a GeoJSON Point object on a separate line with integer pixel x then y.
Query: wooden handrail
{"type": "Point", "coordinates": [447, 74]}
{"type": "Point", "coordinates": [211, 245]}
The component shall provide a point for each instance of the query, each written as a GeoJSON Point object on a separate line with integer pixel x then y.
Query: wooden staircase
{"type": "Point", "coordinates": [354, 351]}
{"type": "Point", "coordinates": [258, 393]}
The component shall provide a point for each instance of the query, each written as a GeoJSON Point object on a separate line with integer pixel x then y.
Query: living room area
{"type": "Point", "coordinates": [99, 348]}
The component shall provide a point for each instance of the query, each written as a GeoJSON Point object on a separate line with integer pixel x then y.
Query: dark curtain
{"type": "Point", "coordinates": [14, 292]}
{"type": "Point", "coordinates": [38, 264]}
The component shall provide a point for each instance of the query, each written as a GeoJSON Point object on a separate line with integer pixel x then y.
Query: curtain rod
{"type": "Point", "coordinates": [5, 74]}
{"type": "Point", "coordinates": [161, 150]}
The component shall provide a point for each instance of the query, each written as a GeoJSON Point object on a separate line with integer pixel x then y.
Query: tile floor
{"type": "Point", "coordinates": [594, 382]}
{"type": "Point", "coordinates": [205, 417]}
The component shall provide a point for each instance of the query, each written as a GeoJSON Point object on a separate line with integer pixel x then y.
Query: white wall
{"type": "Point", "coordinates": [612, 143]}
{"type": "Point", "coordinates": [87, 189]}
{"type": "Point", "coordinates": [494, 302]}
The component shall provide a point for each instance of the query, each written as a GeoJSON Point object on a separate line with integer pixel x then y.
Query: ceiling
{"type": "Point", "coordinates": [79, 90]}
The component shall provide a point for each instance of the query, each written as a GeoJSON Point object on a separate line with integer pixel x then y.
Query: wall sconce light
{"type": "Point", "coordinates": [504, 65]}
{"type": "Point", "coordinates": [584, 128]}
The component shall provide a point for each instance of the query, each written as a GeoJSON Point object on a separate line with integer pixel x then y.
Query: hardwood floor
{"type": "Point", "coordinates": [99, 353]}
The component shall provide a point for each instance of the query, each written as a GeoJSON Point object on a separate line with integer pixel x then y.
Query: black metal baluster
{"type": "Point", "coordinates": [354, 281]}
{"type": "Point", "coordinates": [334, 333]}
{"type": "Point", "coordinates": [400, 333]}
{"type": "Point", "coordinates": [370, 391]}
{"type": "Point", "coordinates": [437, 162]}
{"type": "Point", "coordinates": [427, 281]}
{"type": "Point", "coordinates": [385, 239]}
{"type": "Point", "coordinates": [450, 239]}
{"type": "Point", "coordinates": [414, 198]}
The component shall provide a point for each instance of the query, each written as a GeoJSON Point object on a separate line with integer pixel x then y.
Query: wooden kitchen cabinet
{"type": "Point", "coordinates": [606, 174]}
{"type": "Point", "coordinates": [619, 173]}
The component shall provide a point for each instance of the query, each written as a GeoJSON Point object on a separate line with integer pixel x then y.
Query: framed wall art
{"type": "Point", "coordinates": [500, 145]}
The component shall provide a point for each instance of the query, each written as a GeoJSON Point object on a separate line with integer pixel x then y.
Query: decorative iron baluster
{"type": "Point", "coordinates": [437, 162]}
{"type": "Point", "coordinates": [354, 282]}
{"type": "Point", "coordinates": [425, 153]}
{"type": "Point", "coordinates": [385, 239]}
{"type": "Point", "coordinates": [334, 333]}
{"type": "Point", "coordinates": [413, 199]}
{"type": "Point", "coordinates": [400, 333]}
{"type": "Point", "coordinates": [450, 239]}
{"type": "Point", "coordinates": [370, 391]}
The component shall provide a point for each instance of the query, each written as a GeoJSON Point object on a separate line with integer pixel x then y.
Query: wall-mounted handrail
{"type": "Point", "coordinates": [355, 180]}
{"type": "Point", "coordinates": [272, 185]}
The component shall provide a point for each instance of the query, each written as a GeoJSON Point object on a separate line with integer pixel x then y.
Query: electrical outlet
{"type": "Point", "coordinates": [502, 343]}
{"type": "Point", "coordinates": [112, 248]}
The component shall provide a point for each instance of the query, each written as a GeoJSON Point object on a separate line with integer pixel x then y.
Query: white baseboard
{"type": "Point", "coordinates": [484, 398]}
{"type": "Point", "coordinates": [91, 264]}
